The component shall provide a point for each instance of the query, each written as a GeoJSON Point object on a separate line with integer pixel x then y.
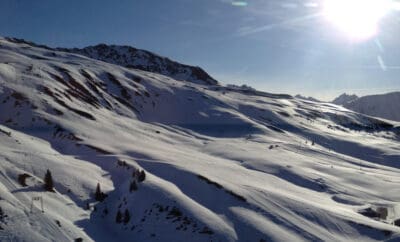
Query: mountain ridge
{"type": "Point", "coordinates": [131, 57]}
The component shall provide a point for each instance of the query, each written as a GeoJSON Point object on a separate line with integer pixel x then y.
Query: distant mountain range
{"type": "Point", "coordinates": [307, 98]}
{"type": "Point", "coordinates": [385, 106]}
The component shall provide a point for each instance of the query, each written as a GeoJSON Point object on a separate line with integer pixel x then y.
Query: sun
{"type": "Point", "coordinates": [358, 19]}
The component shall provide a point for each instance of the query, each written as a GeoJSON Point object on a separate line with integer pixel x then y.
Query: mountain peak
{"type": "Point", "coordinates": [344, 98]}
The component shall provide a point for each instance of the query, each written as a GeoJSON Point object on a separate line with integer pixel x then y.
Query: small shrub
{"type": "Point", "coordinates": [127, 216]}
{"type": "Point", "coordinates": [122, 163]}
{"type": "Point", "coordinates": [175, 212]}
{"type": "Point", "coordinates": [118, 217]}
{"type": "Point", "coordinates": [1, 213]}
{"type": "Point", "coordinates": [58, 223]}
{"type": "Point", "coordinates": [22, 179]}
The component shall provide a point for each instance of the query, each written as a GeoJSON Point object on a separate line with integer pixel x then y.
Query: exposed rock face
{"type": "Point", "coordinates": [144, 60]}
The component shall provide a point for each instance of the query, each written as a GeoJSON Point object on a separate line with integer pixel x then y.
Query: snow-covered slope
{"type": "Point", "coordinates": [220, 163]}
{"type": "Point", "coordinates": [385, 106]}
{"type": "Point", "coordinates": [133, 58]}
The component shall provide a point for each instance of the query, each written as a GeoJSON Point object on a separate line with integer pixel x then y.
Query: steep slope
{"type": "Point", "coordinates": [384, 106]}
{"type": "Point", "coordinates": [23, 219]}
{"type": "Point", "coordinates": [220, 163]}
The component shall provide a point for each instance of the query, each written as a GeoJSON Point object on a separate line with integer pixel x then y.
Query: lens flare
{"type": "Point", "coordinates": [239, 3]}
{"type": "Point", "coordinates": [358, 19]}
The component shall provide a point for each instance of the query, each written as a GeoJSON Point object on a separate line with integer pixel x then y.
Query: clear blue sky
{"type": "Point", "coordinates": [275, 45]}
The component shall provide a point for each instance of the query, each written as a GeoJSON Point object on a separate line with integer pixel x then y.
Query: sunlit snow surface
{"type": "Point", "coordinates": [238, 165]}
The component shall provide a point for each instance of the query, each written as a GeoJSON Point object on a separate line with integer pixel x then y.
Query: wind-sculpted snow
{"type": "Point", "coordinates": [183, 160]}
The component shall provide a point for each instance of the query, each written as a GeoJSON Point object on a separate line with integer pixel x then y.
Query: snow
{"type": "Point", "coordinates": [221, 163]}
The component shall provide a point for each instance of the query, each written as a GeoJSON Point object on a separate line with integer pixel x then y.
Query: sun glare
{"type": "Point", "coordinates": [358, 19]}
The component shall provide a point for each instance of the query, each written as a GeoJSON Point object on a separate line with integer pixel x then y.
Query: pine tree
{"type": "Point", "coordinates": [99, 195]}
{"type": "Point", "coordinates": [127, 216]}
{"type": "Point", "coordinates": [48, 182]}
{"type": "Point", "coordinates": [118, 217]}
{"type": "Point", "coordinates": [133, 186]}
{"type": "Point", "coordinates": [142, 176]}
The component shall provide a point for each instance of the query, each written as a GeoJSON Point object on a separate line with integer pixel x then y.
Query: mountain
{"type": "Point", "coordinates": [385, 106]}
{"type": "Point", "coordinates": [133, 58]}
{"type": "Point", "coordinates": [144, 60]}
{"type": "Point", "coordinates": [307, 98]}
{"type": "Point", "coordinates": [137, 155]}
{"type": "Point", "coordinates": [344, 98]}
